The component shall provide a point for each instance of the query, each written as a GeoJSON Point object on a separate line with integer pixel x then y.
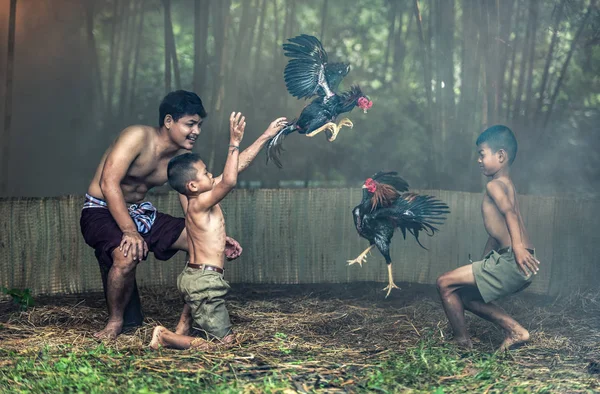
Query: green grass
{"type": "Point", "coordinates": [428, 367]}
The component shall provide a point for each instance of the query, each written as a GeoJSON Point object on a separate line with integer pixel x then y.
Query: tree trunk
{"type": "Point", "coordinates": [112, 66]}
{"type": "Point", "coordinates": [93, 54]}
{"type": "Point", "coordinates": [170, 42]}
{"type": "Point", "coordinates": [240, 44]}
{"type": "Point", "coordinates": [246, 54]}
{"type": "Point", "coordinates": [515, 41]}
{"type": "Point", "coordinates": [166, 3]}
{"type": "Point", "coordinates": [129, 29]}
{"type": "Point", "coordinates": [201, 14]}
{"type": "Point", "coordinates": [391, 34]}
{"type": "Point", "coordinates": [485, 65]}
{"type": "Point", "coordinates": [503, 41]}
{"type": "Point", "coordinates": [529, 91]}
{"type": "Point", "coordinates": [520, 86]}
{"type": "Point", "coordinates": [553, 41]}
{"type": "Point", "coordinates": [435, 36]}
{"type": "Point", "coordinates": [10, 64]}
{"type": "Point", "coordinates": [221, 24]}
{"type": "Point", "coordinates": [566, 63]}
{"type": "Point", "coordinates": [276, 37]}
{"type": "Point", "coordinates": [261, 33]}
{"type": "Point", "coordinates": [136, 58]}
{"type": "Point", "coordinates": [244, 27]}
{"type": "Point", "coordinates": [399, 50]}
{"type": "Point", "coordinates": [427, 86]}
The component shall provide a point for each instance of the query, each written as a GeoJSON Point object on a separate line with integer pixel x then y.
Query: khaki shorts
{"type": "Point", "coordinates": [498, 275]}
{"type": "Point", "coordinates": [203, 291]}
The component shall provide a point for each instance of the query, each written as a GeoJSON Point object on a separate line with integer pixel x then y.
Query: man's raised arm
{"type": "Point", "coordinates": [250, 153]}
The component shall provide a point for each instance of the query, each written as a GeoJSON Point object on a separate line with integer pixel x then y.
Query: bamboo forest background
{"type": "Point", "coordinates": [76, 72]}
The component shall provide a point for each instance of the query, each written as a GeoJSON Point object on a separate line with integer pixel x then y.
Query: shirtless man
{"type": "Point", "coordinates": [119, 225]}
{"type": "Point", "coordinates": [509, 261]}
{"type": "Point", "coordinates": [201, 283]}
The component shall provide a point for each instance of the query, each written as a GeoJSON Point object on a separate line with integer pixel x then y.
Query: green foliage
{"type": "Point", "coordinates": [22, 298]}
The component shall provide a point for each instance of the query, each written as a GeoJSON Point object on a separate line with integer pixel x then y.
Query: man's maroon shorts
{"type": "Point", "coordinates": [101, 232]}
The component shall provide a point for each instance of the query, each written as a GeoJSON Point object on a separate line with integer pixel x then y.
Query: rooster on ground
{"type": "Point", "coordinates": [387, 205]}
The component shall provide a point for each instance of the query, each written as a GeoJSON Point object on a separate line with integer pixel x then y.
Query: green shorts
{"type": "Point", "coordinates": [203, 291]}
{"type": "Point", "coordinates": [498, 275]}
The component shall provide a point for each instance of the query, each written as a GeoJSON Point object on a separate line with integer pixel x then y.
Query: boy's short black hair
{"type": "Point", "coordinates": [179, 104]}
{"type": "Point", "coordinates": [500, 137]}
{"type": "Point", "coordinates": [181, 170]}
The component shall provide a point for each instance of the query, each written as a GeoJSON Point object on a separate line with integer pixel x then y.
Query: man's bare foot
{"type": "Point", "coordinates": [515, 338]}
{"type": "Point", "coordinates": [156, 341]}
{"type": "Point", "coordinates": [463, 343]}
{"type": "Point", "coordinates": [111, 331]}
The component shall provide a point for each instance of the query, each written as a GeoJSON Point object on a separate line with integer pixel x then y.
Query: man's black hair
{"type": "Point", "coordinates": [179, 104]}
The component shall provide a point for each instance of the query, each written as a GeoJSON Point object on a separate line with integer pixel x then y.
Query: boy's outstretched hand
{"type": "Point", "coordinates": [526, 262]}
{"type": "Point", "coordinates": [237, 125]}
{"type": "Point", "coordinates": [274, 127]}
{"type": "Point", "coordinates": [233, 249]}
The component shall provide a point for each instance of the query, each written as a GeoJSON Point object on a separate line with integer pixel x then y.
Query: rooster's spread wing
{"type": "Point", "coordinates": [305, 72]}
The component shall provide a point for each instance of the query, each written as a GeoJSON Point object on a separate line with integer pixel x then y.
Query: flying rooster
{"type": "Point", "coordinates": [387, 205]}
{"type": "Point", "coordinates": [309, 74]}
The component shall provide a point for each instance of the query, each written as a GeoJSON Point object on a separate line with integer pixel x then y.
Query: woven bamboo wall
{"type": "Point", "coordinates": [299, 236]}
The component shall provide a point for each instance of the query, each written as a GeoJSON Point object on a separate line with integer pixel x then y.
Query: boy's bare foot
{"type": "Point", "coordinates": [111, 331]}
{"type": "Point", "coordinates": [229, 339]}
{"type": "Point", "coordinates": [518, 336]}
{"type": "Point", "coordinates": [184, 327]}
{"type": "Point", "coordinates": [156, 341]}
{"type": "Point", "coordinates": [463, 343]}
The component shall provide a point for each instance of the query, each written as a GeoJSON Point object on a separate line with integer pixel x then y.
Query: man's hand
{"type": "Point", "coordinates": [237, 124]}
{"type": "Point", "coordinates": [133, 242]}
{"type": "Point", "coordinates": [526, 262]}
{"type": "Point", "coordinates": [274, 127]}
{"type": "Point", "coordinates": [233, 250]}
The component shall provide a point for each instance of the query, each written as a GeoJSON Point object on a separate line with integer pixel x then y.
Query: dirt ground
{"type": "Point", "coordinates": [335, 330]}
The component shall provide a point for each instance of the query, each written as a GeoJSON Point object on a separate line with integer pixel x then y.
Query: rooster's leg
{"type": "Point", "coordinates": [391, 285]}
{"type": "Point", "coordinates": [362, 258]}
{"type": "Point", "coordinates": [344, 122]}
{"type": "Point", "coordinates": [327, 126]}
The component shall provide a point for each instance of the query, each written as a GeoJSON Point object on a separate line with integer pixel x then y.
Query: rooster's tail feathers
{"type": "Point", "coordinates": [275, 144]}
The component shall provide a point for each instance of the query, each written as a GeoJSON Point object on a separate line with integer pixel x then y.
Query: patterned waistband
{"type": "Point", "coordinates": [93, 202]}
{"type": "Point", "coordinates": [143, 214]}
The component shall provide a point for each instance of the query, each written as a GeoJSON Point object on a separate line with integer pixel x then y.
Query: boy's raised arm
{"type": "Point", "coordinates": [126, 149]}
{"type": "Point", "coordinates": [237, 124]}
{"type": "Point", "coordinates": [526, 262]}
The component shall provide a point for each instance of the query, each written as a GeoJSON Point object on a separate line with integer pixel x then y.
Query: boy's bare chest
{"type": "Point", "coordinates": [488, 207]}
{"type": "Point", "coordinates": [210, 222]}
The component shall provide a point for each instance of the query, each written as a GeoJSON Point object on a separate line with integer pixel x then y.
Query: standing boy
{"type": "Point", "coordinates": [509, 261]}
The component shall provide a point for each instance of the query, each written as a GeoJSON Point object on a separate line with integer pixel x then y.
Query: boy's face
{"type": "Point", "coordinates": [490, 162]}
{"type": "Point", "coordinates": [185, 131]}
{"type": "Point", "coordinates": [204, 180]}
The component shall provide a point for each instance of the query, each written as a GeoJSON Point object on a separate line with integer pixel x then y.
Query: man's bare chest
{"type": "Point", "coordinates": [149, 172]}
